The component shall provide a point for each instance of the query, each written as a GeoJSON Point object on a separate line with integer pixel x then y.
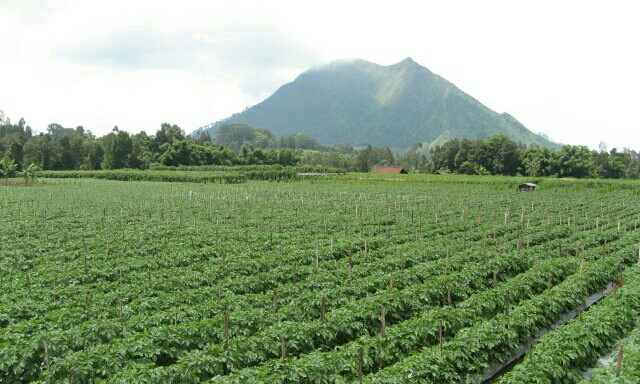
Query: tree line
{"type": "Point", "coordinates": [498, 155]}
{"type": "Point", "coordinates": [61, 148]}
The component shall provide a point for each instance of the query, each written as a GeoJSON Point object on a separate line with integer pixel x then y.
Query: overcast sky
{"type": "Point", "coordinates": [569, 69]}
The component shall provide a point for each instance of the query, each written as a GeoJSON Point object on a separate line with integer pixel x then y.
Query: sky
{"type": "Point", "coordinates": [568, 69]}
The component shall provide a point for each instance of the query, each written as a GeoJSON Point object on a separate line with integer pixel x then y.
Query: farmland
{"type": "Point", "coordinates": [406, 279]}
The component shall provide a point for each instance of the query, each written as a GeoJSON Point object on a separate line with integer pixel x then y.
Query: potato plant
{"type": "Point", "coordinates": [309, 281]}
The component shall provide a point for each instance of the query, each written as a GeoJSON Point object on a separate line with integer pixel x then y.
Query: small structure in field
{"type": "Point", "coordinates": [527, 187]}
{"type": "Point", "coordinates": [389, 170]}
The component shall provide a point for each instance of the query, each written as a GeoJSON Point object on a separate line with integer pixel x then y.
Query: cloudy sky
{"type": "Point", "coordinates": [569, 69]}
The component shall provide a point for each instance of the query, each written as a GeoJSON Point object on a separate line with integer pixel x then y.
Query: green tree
{"type": "Point", "coordinates": [118, 150]}
{"type": "Point", "coordinates": [575, 161]}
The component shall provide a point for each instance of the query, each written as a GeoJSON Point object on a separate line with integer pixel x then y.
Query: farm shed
{"type": "Point", "coordinates": [527, 187]}
{"type": "Point", "coordinates": [391, 170]}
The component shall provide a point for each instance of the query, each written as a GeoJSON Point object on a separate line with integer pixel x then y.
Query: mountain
{"type": "Point", "coordinates": [359, 103]}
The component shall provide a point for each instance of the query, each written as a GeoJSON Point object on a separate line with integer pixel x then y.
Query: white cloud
{"type": "Point", "coordinates": [567, 69]}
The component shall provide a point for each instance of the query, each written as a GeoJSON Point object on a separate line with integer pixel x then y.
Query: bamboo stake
{"type": "Point", "coordinates": [275, 299]}
{"type": "Point", "coordinates": [506, 305]}
{"type": "Point", "coordinates": [47, 361]}
{"type": "Point", "coordinates": [440, 333]}
{"type": "Point", "coordinates": [619, 362]}
{"type": "Point", "coordinates": [226, 330]}
{"type": "Point", "coordinates": [360, 364]}
{"type": "Point", "coordinates": [283, 349]}
{"type": "Point", "coordinates": [383, 325]}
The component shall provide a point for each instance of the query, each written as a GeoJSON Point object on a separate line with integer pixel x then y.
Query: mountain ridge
{"type": "Point", "coordinates": [359, 102]}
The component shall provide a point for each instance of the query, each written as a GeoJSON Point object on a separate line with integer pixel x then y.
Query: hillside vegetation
{"type": "Point", "coordinates": [360, 103]}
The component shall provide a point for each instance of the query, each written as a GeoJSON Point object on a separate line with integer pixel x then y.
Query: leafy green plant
{"type": "Point", "coordinates": [30, 174]}
{"type": "Point", "coordinates": [8, 168]}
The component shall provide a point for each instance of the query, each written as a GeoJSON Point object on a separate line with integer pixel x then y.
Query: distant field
{"type": "Point", "coordinates": [384, 279]}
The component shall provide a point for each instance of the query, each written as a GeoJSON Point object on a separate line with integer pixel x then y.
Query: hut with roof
{"type": "Point", "coordinates": [527, 187]}
{"type": "Point", "coordinates": [389, 170]}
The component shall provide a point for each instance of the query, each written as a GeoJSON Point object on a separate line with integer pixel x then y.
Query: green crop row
{"type": "Point", "coordinates": [139, 275]}
{"type": "Point", "coordinates": [355, 318]}
{"type": "Point", "coordinates": [629, 365]}
{"type": "Point", "coordinates": [562, 355]}
{"type": "Point", "coordinates": [138, 175]}
{"type": "Point", "coordinates": [409, 336]}
{"type": "Point", "coordinates": [474, 349]}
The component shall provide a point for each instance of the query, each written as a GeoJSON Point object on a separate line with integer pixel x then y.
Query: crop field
{"type": "Point", "coordinates": [343, 280]}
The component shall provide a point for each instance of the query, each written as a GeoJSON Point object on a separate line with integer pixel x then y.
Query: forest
{"type": "Point", "coordinates": [60, 148]}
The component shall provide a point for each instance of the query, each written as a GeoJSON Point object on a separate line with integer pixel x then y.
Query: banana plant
{"type": "Point", "coordinates": [30, 174]}
{"type": "Point", "coordinates": [7, 168]}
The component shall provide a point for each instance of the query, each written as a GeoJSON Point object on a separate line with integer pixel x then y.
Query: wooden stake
{"type": "Point", "coordinates": [619, 362]}
{"type": "Point", "coordinates": [47, 361]}
{"type": "Point", "coordinates": [390, 290]}
{"type": "Point", "coordinates": [74, 376]}
{"type": "Point", "coordinates": [275, 299]}
{"type": "Point", "coordinates": [383, 325]}
{"type": "Point", "coordinates": [506, 305]}
{"type": "Point", "coordinates": [549, 284]}
{"type": "Point", "coordinates": [582, 267]}
{"type": "Point", "coordinates": [322, 309]}
{"type": "Point", "coordinates": [440, 333]}
{"type": "Point", "coordinates": [449, 294]}
{"type": "Point", "coordinates": [360, 364]}
{"type": "Point", "coordinates": [580, 313]}
{"type": "Point", "coordinates": [283, 349]}
{"type": "Point", "coordinates": [226, 330]}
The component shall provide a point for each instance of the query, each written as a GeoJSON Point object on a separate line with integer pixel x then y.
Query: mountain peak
{"type": "Point", "coordinates": [359, 102]}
